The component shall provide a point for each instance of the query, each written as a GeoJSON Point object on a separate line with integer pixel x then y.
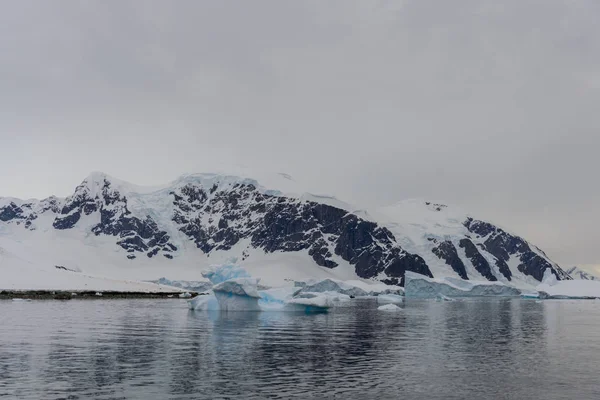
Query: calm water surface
{"type": "Point", "coordinates": [157, 349]}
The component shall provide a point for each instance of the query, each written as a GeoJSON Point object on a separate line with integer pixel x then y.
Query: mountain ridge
{"type": "Point", "coordinates": [220, 214]}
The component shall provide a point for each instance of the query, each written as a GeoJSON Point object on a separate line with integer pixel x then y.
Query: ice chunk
{"type": "Point", "coordinates": [204, 303]}
{"type": "Point", "coordinates": [329, 285]}
{"type": "Point", "coordinates": [389, 307]}
{"type": "Point", "coordinates": [98, 294]}
{"type": "Point", "coordinates": [20, 300]}
{"type": "Point", "coordinates": [420, 286]}
{"type": "Point", "coordinates": [275, 299]}
{"type": "Point", "coordinates": [185, 295]}
{"type": "Point", "coordinates": [239, 294]}
{"type": "Point", "coordinates": [389, 299]}
{"type": "Point", "coordinates": [576, 289]}
{"type": "Point", "coordinates": [311, 302]}
{"type": "Point", "coordinates": [224, 272]}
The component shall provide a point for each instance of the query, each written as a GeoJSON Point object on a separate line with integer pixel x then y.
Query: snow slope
{"type": "Point", "coordinates": [579, 274]}
{"type": "Point", "coordinates": [277, 231]}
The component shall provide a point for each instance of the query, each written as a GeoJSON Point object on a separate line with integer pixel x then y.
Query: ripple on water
{"type": "Point", "coordinates": [110, 349]}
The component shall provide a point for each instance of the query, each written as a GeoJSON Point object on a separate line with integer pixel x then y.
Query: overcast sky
{"type": "Point", "coordinates": [489, 105]}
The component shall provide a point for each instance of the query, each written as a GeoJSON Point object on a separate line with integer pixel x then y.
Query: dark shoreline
{"type": "Point", "coordinates": [85, 294]}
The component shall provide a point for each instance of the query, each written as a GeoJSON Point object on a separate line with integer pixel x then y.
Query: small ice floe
{"type": "Point", "coordinates": [73, 294]}
{"type": "Point", "coordinates": [169, 295]}
{"type": "Point", "coordinates": [98, 294]}
{"type": "Point", "coordinates": [185, 295]}
{"type": "Point", "coordinates": [311, 302]}
{"type": "Point", "coordinates": [18, 300]}
{"type": "Point", "coordinates": [389, 307]}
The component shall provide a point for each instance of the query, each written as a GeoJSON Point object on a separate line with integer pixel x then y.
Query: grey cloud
{"type": "Point", "coordinates": [483, 104]}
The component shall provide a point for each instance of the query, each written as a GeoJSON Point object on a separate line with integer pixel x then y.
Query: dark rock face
{"type": "Point", "coordinates": [478, 261]}
{"type": "Point", "coordinates": [11, 212]}
{"type": "Point", "coordinates": [219, 215]}
{"type": "Point", "coordinates": [503, 245]}
{"type": "Point", "coordinates": [447, 252]}
{"type": "Point", "coordinates": [218, 220]}
{"type": "Point", "coordinates": [135, 235]}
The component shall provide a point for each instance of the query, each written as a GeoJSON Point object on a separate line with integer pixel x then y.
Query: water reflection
{"type": "Point", "coordinates": [110, 349]}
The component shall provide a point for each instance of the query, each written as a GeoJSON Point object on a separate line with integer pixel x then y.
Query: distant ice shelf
{"type": "Point", "coordinates": [419, 286]}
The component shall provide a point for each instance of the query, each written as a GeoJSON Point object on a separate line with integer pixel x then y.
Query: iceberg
{"type": "Point", "coordinates": [224, 272]}
{"type": "Point", "coordinates": [204, 303]}
{"type": "Point", "coordinates": [311, 302]}
{"type": "Point", "coordinates": [238, 294]}
{"type": "Point", "coordinates": [276, 298]}
{"type": "Point", "coordinates": [389, 307]}
{"type": "Point", "coordinates": [420, 286]}
{"type": "Point", "coordinates": [185, 295]}
{"type": "Point", "coordinates": [329, 285]}
{"type": "Point", "coordinates": [389, 299]}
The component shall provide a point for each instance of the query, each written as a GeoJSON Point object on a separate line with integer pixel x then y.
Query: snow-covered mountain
{"type": "Point", "coordinates": [114, 228]}
{"type": "Point", "coordinates": [578, 273]}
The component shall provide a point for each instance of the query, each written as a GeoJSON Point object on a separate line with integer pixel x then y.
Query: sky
{"type": "Point", "coordinates": [490, 106]}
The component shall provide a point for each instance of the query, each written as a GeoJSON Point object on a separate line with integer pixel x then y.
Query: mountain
{"type": "Point", "coordinates": [111, 227]}
{"type": "Point", "coordinates": [578, 273]}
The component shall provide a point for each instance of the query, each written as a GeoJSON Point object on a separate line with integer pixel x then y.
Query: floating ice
{"type": "Point", "coordinates": [389, 307]}
{"type": "Point", "coordinates": [238, 294]}
{"type": "Point", "coordinates": [204, 303]}
{"type": "Point", "coordinates": [420, 286]}
{"type": "Point", "coordinates": [224, 272]}
{"type": "Point", "coordinates": [275, 299]}
{"type": "Point", "coordinates": [185, 295]}
{"type": "Point", "coordinates": [389, 299]}
{"type": "Point", "coordinates": [20, 300]}
{"type": "Point", "coordinates": [98, 294]}
{"type": "Point", "coordinates": [329, 285]}
{"type": "Point", "coordinates": [311, 302]}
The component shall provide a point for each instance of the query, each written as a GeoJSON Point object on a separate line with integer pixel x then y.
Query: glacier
{"type": "Point", "coordinates": [218, 273]}
{"type": "Point", "coordinates": [575, 289]}
{"type": "Point", "coordinates": [111, 228]}
{"type": "Point", "coordinates": [238, 294]}
{"type": "Point", "coordinates": [419, 286]}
